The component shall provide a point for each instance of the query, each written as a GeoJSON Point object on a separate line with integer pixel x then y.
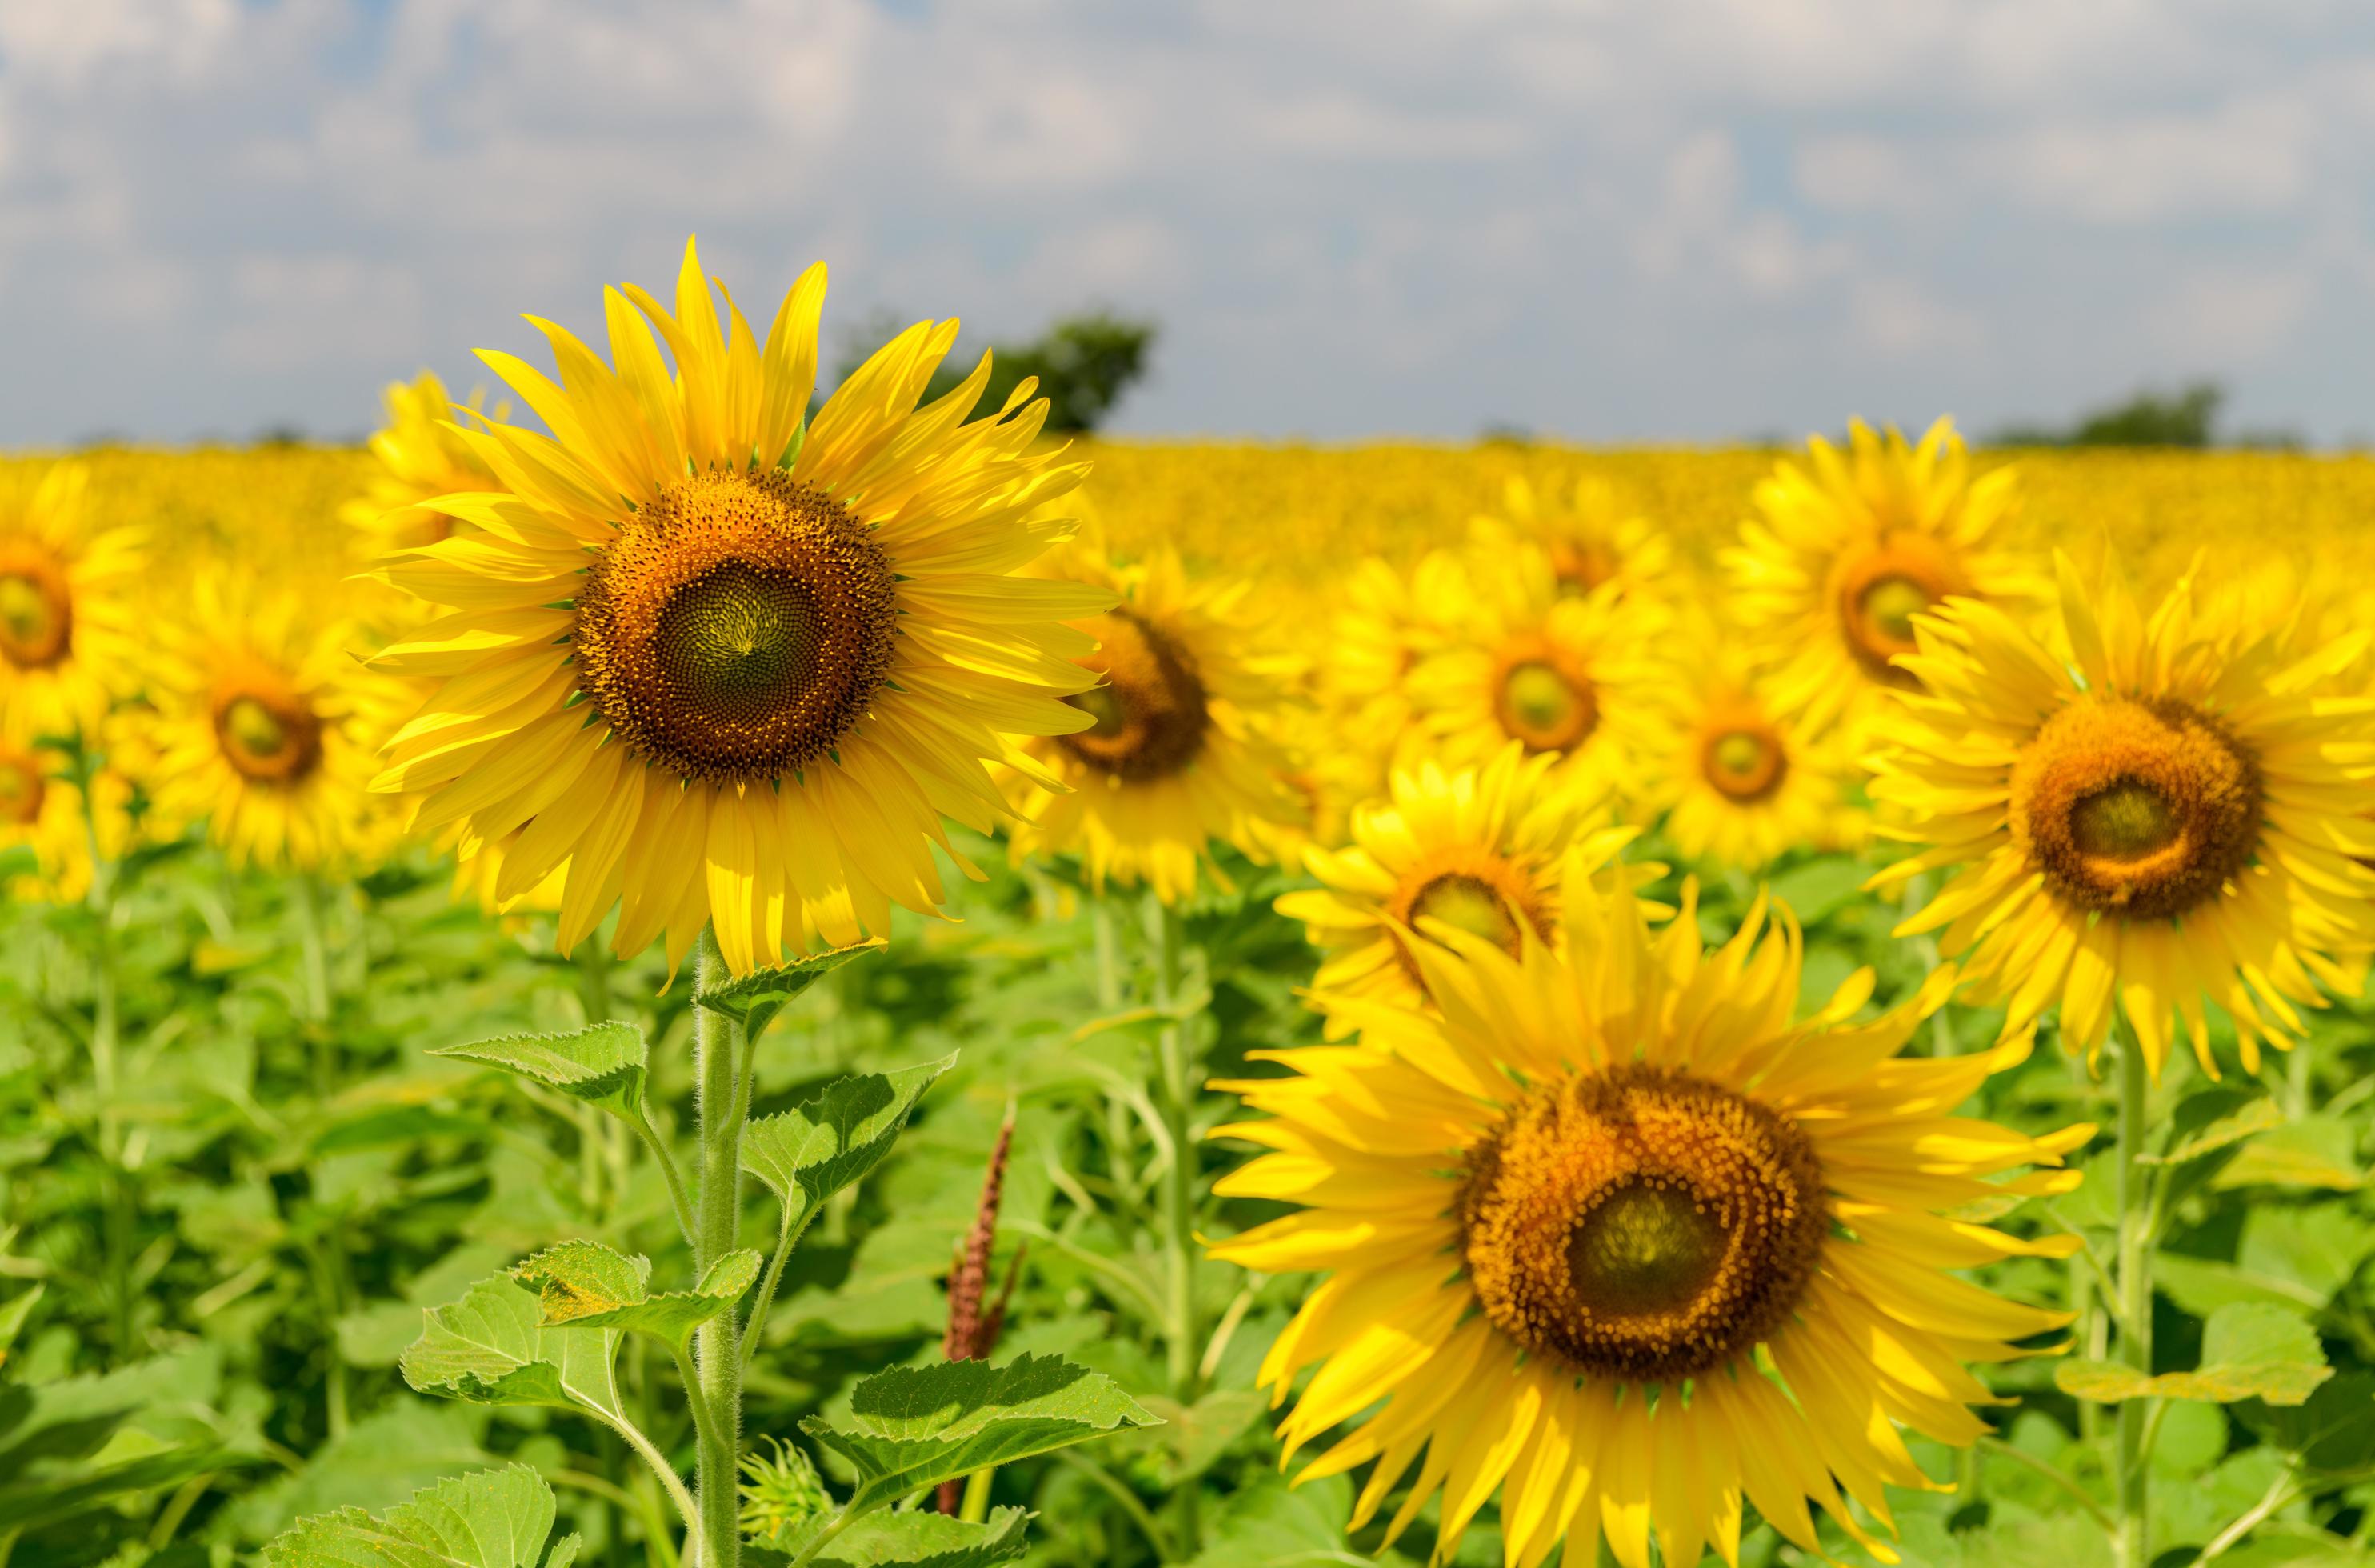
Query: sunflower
{"type": "Point", "coordinates": [1612, 1237]}
{"type": "Point", "coordinates": [264, 727]}
{"type": "Point", "coordinates": [420, 456]}
{"type": "Point", "coordinates": [1741, 784]}
{"type": "Point", "coordinates": [731, 666]}
{"type": "Point", "coordinates": [41, 809]}
{"type": "Point", "coordinates": [1483, 850]}
{"type": "Point", "coordinates": [1852, 546]}
{"type": "Point", "coordinates": [68, 647]}
{"type": "Point", "coordinates": [1389, 620]}
{"type": "Point", "coordinates": [1176, 751]}
{"type": "Point", "coordinates": [1593, 543]}
{"type": "Point", "coordinates": [2173, 811]}
{"type": "Point", "coordinates": [1574, 678]}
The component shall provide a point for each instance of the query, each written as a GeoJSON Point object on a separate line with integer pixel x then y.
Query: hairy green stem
{"type": "Point", "coordinates": [717, 1211]}
{"type": "Point", "coordinates": [2134, 1536]}
{"type": "Point", "coordinates": [1182, 1344]}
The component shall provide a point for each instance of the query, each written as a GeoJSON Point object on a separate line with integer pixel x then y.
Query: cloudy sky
{"type": "Point", "coordinates": [1604, 219]}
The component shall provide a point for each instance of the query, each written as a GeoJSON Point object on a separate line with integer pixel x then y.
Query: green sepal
{"type": "Point", "coordinates": [755, 999]}
{"type": "Point", "coordinates": [806, 1154]}
{"type": "Point", "coordinates": [492, 1519]}
{"type": "Point", "coordinates": [603, 1064]}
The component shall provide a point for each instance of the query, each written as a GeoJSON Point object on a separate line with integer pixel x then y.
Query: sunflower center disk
{"type": "Point", "coordinates": [1546, 708]}
{"type": "Point", "coordinates": [1151, 712]}
{"type": "Point", "coordinates": [271, 740]}
{"type": "Point", "coordinates": [21, 789]}
{"type": "Point", "coordinates": [1882, 590]}
{"type": "Point", "coordinates": [1745, 764]}
{"type": "Point", "coordinates": [738, 628]}
{"type": "Point", "coordinates": [36, 621]}
{"type": "Point", "coordinates": [1470, 904]}
{"type": "Point", "coordinates": [2144, 808]}
{"type": "Point", "coordinates": [1641, 1225]}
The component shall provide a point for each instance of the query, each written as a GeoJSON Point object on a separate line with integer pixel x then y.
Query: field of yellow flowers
{"type": "Point", "coordinates": [654, 968]}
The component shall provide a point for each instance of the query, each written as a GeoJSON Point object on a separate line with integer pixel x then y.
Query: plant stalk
{"type": "Point", "coordinates": [717, 1211]}
{"type": "Point", "coordinates": [1182, 1343]}
{"type": "Point", "coordinates": [104, 1077]}
{"type": "Point", "coordinates": [2134, 1538]}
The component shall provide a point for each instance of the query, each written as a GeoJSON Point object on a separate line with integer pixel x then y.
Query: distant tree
{"type": "Point", "coordinates": [2148, 419]}
{"type": "Point", "coordinates": [1085, 363]}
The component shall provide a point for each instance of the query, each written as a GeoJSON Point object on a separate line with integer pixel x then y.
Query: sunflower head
{"type": "Point", "coordinates": [1741, 784]}
{"type": "Point", "coordinates": [68, 647]}
{"type": "Point", "coordinates": [1150, 716]}
{"type": "Point", "coordinates": [420, 455]}
{"type": "Point", "coordinates": [1594, 544]}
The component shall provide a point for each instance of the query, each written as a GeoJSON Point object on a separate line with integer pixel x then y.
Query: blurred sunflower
{"type": "Point", "coordinates": [2174, 808]}
{"type": "Point", "coordinates": [1593, 542]}
{"type": "Point", "coordinates": [42, 808]}
{"type": "Point", "coordinates": [1483, 850]}
{"type": "Point", "coordinates": [1612, 1237]}
{"type": "Point", "coordinates": [68, 648]}
{"type": "Point", "coordinates": [1387, 621]}
{"type": "Point", "coordinates": [1740, 783]}
{"type": "Point", "coordinates": [732, 666]}
{"type": "Point", "coordinates": [420, 456]}
{"type": "Point", "coordinates": [1574, 678]}
{"type": "Point", "coordinates": [1850, 548]}
{"type": "Point", "coordinates": [264, 727]}
{"type": "Point", "coordinates": [1175, 754]}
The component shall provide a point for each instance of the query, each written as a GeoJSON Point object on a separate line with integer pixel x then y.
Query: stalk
{"type": "Point", "coordinates": [2134, 1538]}
{"type": "Point", "coordinates": [716, 1391]}
{"type": "Point", "coordinates": [314, 982]}
{"type": "Point", "coordinates": [1181, 1341]}
{"type": "Point", "coordinates": [104, 1029]}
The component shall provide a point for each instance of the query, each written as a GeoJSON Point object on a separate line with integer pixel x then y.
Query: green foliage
{"type": "Point", "coordinates": [496, 1347]}
{"type": "Point", "coordinates": [602, 1064]}
{"type": "Point", "coordinates": [494, 1520]}
{"type": "Point", "coordinates": [587, 1285]}
{"type": "Point", "coordinates": [806, 1154]}
{"type": "Point", "coordinates": [2181, 419]}
{"type": "Point", "coordinates": [1084, 364]}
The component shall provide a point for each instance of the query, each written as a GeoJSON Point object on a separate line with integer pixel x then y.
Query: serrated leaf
{"type": "Point", "coordinates": [493, 1519]}
{"type": "Point", "coordinates": [2249, 1351]}
{"type": "Point", "coordinates": [587, 1285]}
{"type": "Point", "coordinates": [2256, 1115]}
{"type": "Point", "coordinates": [915, 1427]}
{"type": "Point", "coordinates": [492, 1347]}
{"type": "Point", "coordinates": [920, 1539]}
{"type": "Point", "coordinates": [603, 1064]}
{"type": "Point", "coordinates": [755, 999]}
{"type": "Point", "coordinates": [806, 1154]}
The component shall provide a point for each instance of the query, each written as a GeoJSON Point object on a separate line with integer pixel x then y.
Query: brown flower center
{"type": "Point", "coordinates": [1744, 760]}
{"type": "Point", "coordinates": [1641, 1225]}
{"type": "Point", "coordinates": [1474, 890]}
{"type": "Point", "coordinates": [22, 788]}
{"type": "Point", "coordinates": [2141, 806]}
{"type": "Point", "coordinates": [267, 734]}
{"type": "Point", "coordinates": [1544, 697]}
{"type": "Point", "coordinates": [1152, 714]}
{"type": "Point", "coordinates": [36, 611]}
{"type": "Point", "coordinates": [1880, 590]}
{"type": "Point", "coordinates": [738, 628]}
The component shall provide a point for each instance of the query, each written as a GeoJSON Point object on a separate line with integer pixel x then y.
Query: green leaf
{"type": "Point", "coordinates": [587, 1285]}
{"type": "Point", "coordinates": [915, 1427]}
{"type": "Point", "coordinates": [494, 1520]}
{"type": "Point", "coordinates": [2315, 1151]}
{"type": "Point", "coordinates": [79, 1444]}
{"type": "Point", "coordinates": [13, 1315]}
{"type": "Point", "coordinates": [2249, 1351]}
{"type": "Point", "coordinates": [1192, 1438]}
{"type": "Point", "coordinates": [2257, 1114]}
{"type": "Point", "coordinates": [806, 1154]}
{"type": "Point", "coordinates": [602, 1064]}
{"type": "Point", "coordinates": [921, 1538]}
{"type": "Point", "coordinates": [1270, 1523]}
{"type": "Point", "coordinates": [2334, 1430]}
{"type": "Point", "coordinates": [755, 999]}
{"type": "Point", "coordinates": [492, 1347]}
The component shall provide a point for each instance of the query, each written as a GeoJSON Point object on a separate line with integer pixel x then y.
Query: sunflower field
{"type": "Point", "coordinates": [660, 969]}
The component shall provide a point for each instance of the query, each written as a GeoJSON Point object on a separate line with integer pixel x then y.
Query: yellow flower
{"type": "Point", "coordinates": [731, 666]}
{"type": "Point", "coordinates": [1483, 850]}
{"type": "Point", "coordinates": [1592, 542]}
{"type": "Point", "coordinates": [41, 809]}
{"type": "Point", "coordinates": [1571, 677]}
{"type": "Point", "coordinates": [67, 641]}
{"type": "Point", "coordinates": [1390, 620]}
{"type": "Point", "coordinates": [2173, 811]}
{"type": "Point", "coordinates": [420, 456]}
{"type": "Point", "coordinates": [264, 727]}
{"type": "Point", "coordinates": [1851, 547]}
{"type": "Point", "coordinates": [1740, 783]}
{"type": "Point", "coordinates": [1612, 1237]}
{"type": "Point", "coordinates": [1175, 754]}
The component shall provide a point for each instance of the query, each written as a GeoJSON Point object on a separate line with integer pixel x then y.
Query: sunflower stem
{"type": "Point", "coordinates": [716, 1389]}
{"type": "Point", "coordinates": [1182, 1347]}
{"type": "Point", "coordinates": [2135, 1538]}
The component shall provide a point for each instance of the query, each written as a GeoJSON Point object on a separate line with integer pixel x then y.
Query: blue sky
{"type": "Point", "coordinates": [1601, 219]}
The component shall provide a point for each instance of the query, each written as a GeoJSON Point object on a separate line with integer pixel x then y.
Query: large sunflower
{"type": "Point", "coordinates": [1740, 783]}
{"type": "Point", "coordinates": [1574, 678]}
{"type": "Point", "coordinates": [1848, 548]}
{"type": "Point", "coordinates": [264, 727]}
{"type": "Point", "coordinates": [420, 456]}
{"type": "Point", "coordinates": [68, 647]}
{"type": "Point", "coordinates": [1484, 850]}
{"type": "Point", "coordinates": [1612, 1237]}
{"type": "Point", "coordinates": [1173, 754]}
{"type": "Point", "coordinates": [1593, 542]}
{"type": "Point", "coordinates": [732, 666]}
{"type": "Point", "coordinates": [2171, 809]}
